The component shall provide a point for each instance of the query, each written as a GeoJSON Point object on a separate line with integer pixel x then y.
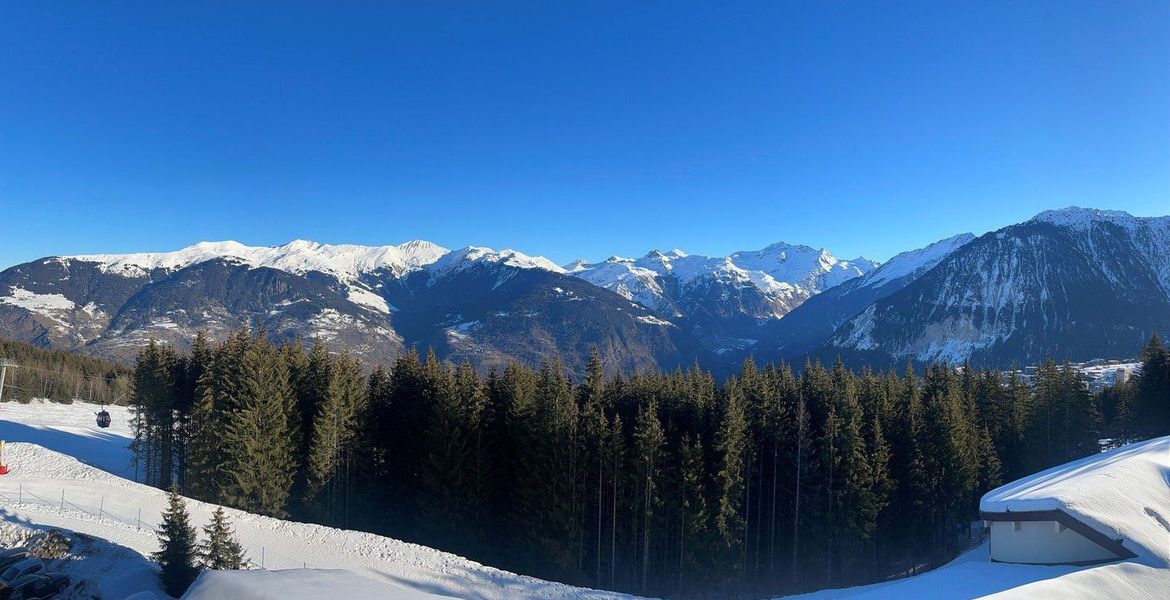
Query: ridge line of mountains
{"type": "Point", "coordinates": [1073, 283]}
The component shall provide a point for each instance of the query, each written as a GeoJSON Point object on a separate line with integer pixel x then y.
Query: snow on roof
{"type": "Point", "coordinates": [1123, 493]}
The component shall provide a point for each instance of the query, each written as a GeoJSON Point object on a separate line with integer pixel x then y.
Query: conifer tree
{"type": "Point", "coordinates": [448, 468]}
{"type": "Point", "coordinates": [952, 466]}
{"type": "Point", "coordinates": [296, 360]}
{"type": "Point", "coordinates": [194, 367]}
{"type": "Point", "coordinates": [545, 507]}
{"type": "Point", "coordinates": [258, 448]}
{"type": "Point", "coordinates": [594, 438]}
{"type": "Point", "coordinates": [693, 532]}
{"type": "Point", "coordinates": [153, 410]}
{"type": "Point", "coordinates": [217, 393]}
{"type": "Point", "coordinates": [990, 468]}
{"type": "Point", "coordinates": [880, 488]}
{"type": "Point", "coordinates": [730, 446]}
{"type": "Point", "coordinates": [221, 551]}
{"type": "Point", "coordinates": [334, 430]}
{"type": "Point", "coordinates": [177, 547]}
{"type": "Point", "coordinates": [853, 476]}
{"type": "Point", "coordinates": [1013, 423]}
{"type": "Point", "coordinates": [1079, 419]}
{"type": "Point", "coordinates": [648, 442]}
{"type": "Point", "coordinates": [1152, 389]}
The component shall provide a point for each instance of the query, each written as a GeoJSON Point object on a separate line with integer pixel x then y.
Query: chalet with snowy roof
{"type": "Point", "coordinates": [1085, 512]}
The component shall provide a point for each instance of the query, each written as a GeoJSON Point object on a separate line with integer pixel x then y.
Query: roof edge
{"type": "Point", "coordinates": [1069, 521]}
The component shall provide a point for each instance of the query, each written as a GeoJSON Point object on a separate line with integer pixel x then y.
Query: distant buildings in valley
{"type": "Point", "coordinates": [1097, 374]}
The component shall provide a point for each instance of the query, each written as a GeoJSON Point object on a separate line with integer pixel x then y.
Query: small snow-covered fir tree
{"type": "Point", "coordinates": [176, 555]}
{"type": "Point", "coordinates": [221, 551]}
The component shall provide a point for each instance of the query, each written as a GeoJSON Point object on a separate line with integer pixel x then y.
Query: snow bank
{"type": "Point", "coordinates": [292, 584]}
{"type": "Point", "coordinates": [96, 567]}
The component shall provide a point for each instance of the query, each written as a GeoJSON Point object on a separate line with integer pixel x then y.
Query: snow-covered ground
{"type": "Point", "coordinates": [72, 429]}
{"type": "Point", "coordinates": [48, 487]}
{"type": "Point", "coordinates": [1124, 493]}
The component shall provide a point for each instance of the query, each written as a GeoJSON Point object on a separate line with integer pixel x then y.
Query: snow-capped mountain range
{"type": "Point", "coordinates": [1074, 283]}
{"type": "Point", "coordinates": [1101, 277]}
{"type": "Point", "coordinates": [783, 274]}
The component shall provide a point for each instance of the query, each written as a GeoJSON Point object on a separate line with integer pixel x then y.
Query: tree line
{"type": "Point", "coordinates": [771, 481]}
{"type": "Point", "coordinates": [61, 376]}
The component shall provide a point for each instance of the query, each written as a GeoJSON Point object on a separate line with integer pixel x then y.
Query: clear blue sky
{"type": "Point", "coordinates": [573, 129]}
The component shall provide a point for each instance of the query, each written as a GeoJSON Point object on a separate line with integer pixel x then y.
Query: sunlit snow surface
{"type": "Point", "coordinates": [346, 262]}
{"type": "Point", "coordinates": [48, 487]}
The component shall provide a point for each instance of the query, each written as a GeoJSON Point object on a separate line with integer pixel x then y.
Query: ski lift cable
{"type": "Point", "coordinates": [55, 372]}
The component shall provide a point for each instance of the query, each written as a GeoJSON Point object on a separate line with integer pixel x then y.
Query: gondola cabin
{"type": "Point", "coordinates": [103, 419]}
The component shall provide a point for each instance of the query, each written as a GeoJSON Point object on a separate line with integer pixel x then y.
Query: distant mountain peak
{"type": "Point", "coordinates": [577, 265]}
{"type": "Point", "coordinates": [344, 261]}
{"type": "Point", "coordinates": [1075, 216]}
{"type": "Point", "coordinates": [915, 262]}
{"type": "Point", "coordinates": [473, 255]}
{"type": "Point", "coordinates": [675, 253]}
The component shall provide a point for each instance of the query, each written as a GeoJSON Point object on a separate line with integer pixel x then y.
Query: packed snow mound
{"type": "Point", "coordinates": [1123, 493]}
{"type": "Point", "coordinates": [96, 567]}
{"type": "Point", "coordinates": [292, 584]}
{"type": "Point", "coordinates": [344, 261]}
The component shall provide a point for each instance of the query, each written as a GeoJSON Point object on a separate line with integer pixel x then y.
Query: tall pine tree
{"type": "Point", "coordinates": [177, 547]}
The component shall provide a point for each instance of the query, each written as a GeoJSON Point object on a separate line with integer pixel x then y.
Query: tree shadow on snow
{"type": "Point", "coordinates": [96, 448]}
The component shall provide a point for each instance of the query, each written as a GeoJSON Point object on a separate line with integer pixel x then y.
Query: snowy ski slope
{"type": "Point", "coordinates": [48, 487]}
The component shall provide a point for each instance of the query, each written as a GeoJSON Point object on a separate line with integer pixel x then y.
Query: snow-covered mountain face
{"type": "Point", "coordinates": [784, 274]}
{"type": "Point", "coordinates": [1073, 283]}
{"type": "Point", "coordinates": [345, 262]}
{"type": "Point", "coordinates": [812, 323]}
{"type": "Point", "coordinates": [476, 303]}
{"type": "Point", "coordinates": [723, 300]}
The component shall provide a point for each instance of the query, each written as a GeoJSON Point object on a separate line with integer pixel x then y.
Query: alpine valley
{"type": "Point", "coordinates": [1073, 283]}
